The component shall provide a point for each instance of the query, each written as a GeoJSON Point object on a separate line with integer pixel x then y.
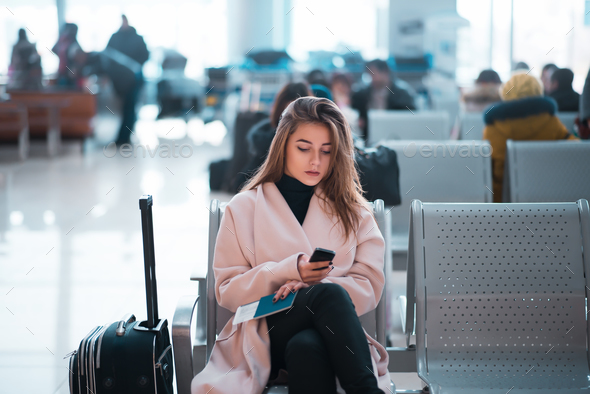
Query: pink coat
{"type": "Point", "coordinates": [256, 253]}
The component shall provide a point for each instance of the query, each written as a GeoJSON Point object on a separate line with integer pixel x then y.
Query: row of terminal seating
{"type": "Point", "coordinates": [495, 294]}
{"type": "Point", "coordinates": [433, 125]}
{"type": "Point", "coordinates": [460, 171]}
{"type": "Point", "coordinates": [51, 115]}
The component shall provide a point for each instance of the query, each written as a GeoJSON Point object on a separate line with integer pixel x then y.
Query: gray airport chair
{"type": "Point", "coordinates": [407, 125]}
{"type": "Point", "coordinates": [441, 171]}
{"type": "Point", "coordinates": [458, 173]}
{"type": "Point", "coordinates": [546, 171]}
{"type": "Point", "coordinates": [449, 104]}
{"type": "Point", "coordinates": [191, 355]}
{"type": "Point", "coordinates": [500, 297]}
{"type": "Point", "coordinates": [472, 125]}
{"type": "Point", "coordinates": [568, 119]}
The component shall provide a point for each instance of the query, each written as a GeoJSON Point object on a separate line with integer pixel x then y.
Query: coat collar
{"type": "Point", "coordinates": [277, 233]}
{"type": "Point", "coordinates": [515, 109]}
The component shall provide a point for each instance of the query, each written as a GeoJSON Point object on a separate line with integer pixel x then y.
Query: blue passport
{"type": "Point", "coordinates": [267, 307]}
{"type": "Point", "coordinates": [263, 307]}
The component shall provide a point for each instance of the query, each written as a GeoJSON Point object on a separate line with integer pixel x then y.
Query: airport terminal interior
{"type": "Point", "coordinates": [469, 120]}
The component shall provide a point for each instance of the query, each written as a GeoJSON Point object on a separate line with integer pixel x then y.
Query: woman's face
{"type": "Point", "coordinates": [308, 153]}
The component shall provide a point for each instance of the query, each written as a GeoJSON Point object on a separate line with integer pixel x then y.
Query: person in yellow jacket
{"type": "Point", "coordinates": [523, 115]}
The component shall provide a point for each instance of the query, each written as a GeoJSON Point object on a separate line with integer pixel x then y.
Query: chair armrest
{"type": "Point", "coordinates": [403, 302]}
{"type": "Point", "coordinates": [201, 332]}
{"type": "Point", "coordinates": [198, 272]}
{"type": "Point", "coordinates": [200, 357]}
{"type": "Point", "coordinates": [182, 342]}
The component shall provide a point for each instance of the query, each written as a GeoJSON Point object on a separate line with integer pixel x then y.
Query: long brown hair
{"type": "Point", "coordinates": [341, 185]}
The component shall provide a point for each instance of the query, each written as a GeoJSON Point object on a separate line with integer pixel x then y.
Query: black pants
{"type": "Point", "coordinates": [320, 338]}
{"type": "Point", "coordinates": [129, 113]}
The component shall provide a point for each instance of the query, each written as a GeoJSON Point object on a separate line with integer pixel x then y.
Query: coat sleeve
{"type": "Point", "coordinates": [365, 280]}
{"type": "Point", "coordinates": [237, 281]}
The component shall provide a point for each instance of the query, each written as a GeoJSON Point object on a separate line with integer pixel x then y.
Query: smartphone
{"type": "Point", "coordinates": [321, 254]}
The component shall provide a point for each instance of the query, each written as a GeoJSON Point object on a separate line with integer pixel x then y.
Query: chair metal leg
{"type": "Point", "coordinates": [23, 143]}
{"type": "Point", "coordinates": [182, 342]}
{"type": "Point", "coordinates": [54, 132]}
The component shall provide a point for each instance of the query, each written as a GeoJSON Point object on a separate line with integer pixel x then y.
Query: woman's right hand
{"type": "Point", "coordinates": [306, 269]}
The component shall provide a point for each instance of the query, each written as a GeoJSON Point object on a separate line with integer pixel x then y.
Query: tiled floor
{"type": "Point", "coordinates": [71, 248]}
{"type": "Point", "coordinates": [71, 252]}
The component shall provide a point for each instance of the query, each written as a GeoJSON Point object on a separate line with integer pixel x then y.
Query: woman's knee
{"type": "Point", "coordinates": [305, 342]}
{"type": "Point", "coordinates": [333, 291]}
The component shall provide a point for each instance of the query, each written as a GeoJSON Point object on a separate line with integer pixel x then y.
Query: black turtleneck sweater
{"type": "Point", "coordinates": [297, 194]}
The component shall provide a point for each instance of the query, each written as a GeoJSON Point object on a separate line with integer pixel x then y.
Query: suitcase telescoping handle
{"type": "Point", "coordinates": [147, 226]}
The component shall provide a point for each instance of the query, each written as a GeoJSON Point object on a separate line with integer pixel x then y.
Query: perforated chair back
{"type": "Point", "coordinates": [442, 171]}
{"type": "Point", "coordinates": [406, 125]}
{"type": "Point", "coordinates": [217, 317]}
{"type": "Point", "coordinates": [500, 297]}
{"type": "Point", "coordinates": [472, 126]}
{"type": "Point", "coordinates": [568, 119]}
{"type": "Point", "coordinates": [546, 171]}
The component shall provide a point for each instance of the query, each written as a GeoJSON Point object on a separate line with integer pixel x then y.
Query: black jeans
{"type": "Point", "coordinates": [129, 113]}
{"type": "Point", "coordinates": [320, 338]}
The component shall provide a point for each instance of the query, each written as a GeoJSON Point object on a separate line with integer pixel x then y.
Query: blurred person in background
{"type": "Point", "coordinates": [382, 93]}
{"type": "Point", "coordinates": [317, 77]}
{"type": "Point", "coordinates": [546, 73]}
{"type": "Point", "coordinates": [341, 87]}
{"type": "Point", "coordinates": [524, 115]}
{"type": "Point", "coordinates": [520, 67]}
{"type": "Point", "coordinates": [561, 90]}
{"type": "Point", "coordinates": [485, 92]}
{"type": "Point", "coordinates": [318, 83]}
{"type": "Point", "coordinates": [24, 72]}
{"type": "Point", "coordinates": [260, 136]}
{"type": "Point", "coordinates": [71, 57]}
{"type": "Point", "coordinates": [134, 54]}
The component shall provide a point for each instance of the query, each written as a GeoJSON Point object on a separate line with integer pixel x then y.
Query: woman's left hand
{"type": "Point", "coordinates": [290, 286]}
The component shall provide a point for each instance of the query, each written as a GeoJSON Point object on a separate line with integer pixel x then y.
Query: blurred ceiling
{"type": "Point", "coordinates": [35, 3]}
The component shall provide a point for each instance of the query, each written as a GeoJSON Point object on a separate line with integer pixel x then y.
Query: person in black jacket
{"type": "Point", "coordinates": [568, 100]}
{"type": "Point", "coordinates": [260, 136]}
{"type": "Point", "coordinates": [129, 43]}
{"type": "Point", "coordinates": [546, 72]}
{"type": "Point", "coordinates": [382, 93]}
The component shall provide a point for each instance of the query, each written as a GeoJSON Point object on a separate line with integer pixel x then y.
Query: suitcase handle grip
{"type": "Point", "coordinates": [122, 325]}
{"type": "Point", "coordinates": [145, 205]}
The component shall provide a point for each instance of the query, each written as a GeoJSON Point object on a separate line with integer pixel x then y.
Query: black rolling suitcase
{"type": "Point", "coordinates": [128, 356]}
